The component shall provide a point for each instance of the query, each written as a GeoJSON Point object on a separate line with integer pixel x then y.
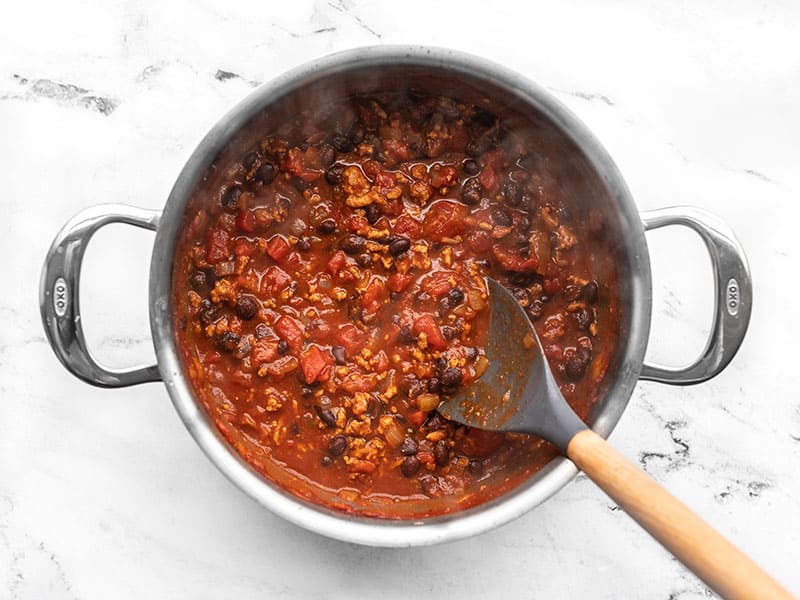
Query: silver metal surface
{"type": "Point", "coordinates": [733, 298]}
{"type": "Point", "coordinates": [443, 71]}
{"type": "Point", "coordinates": [59, 299]}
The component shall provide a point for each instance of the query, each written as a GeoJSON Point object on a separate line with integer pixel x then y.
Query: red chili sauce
{"type": "Point", "coordinates": [329, 292]}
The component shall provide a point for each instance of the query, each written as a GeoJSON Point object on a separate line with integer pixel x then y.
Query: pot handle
{"type": "Point", "coordinates": [59, 297]}
{"type": "Point", "coordinates": [732, 302]}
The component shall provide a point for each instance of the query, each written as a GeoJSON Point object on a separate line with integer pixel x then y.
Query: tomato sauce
{"type": "Point", "coordinates": [329, 292]}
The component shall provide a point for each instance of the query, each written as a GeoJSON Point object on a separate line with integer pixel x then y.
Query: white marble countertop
{"type": "Point", "coordinates": [103, 494]}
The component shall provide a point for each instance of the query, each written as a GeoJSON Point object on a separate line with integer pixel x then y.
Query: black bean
{"type": "Point", "coordinates": [410, 466]}
{"type": "Point", "coordinates": [455, 296]}
{"type": "Point", "coordinates": [327, 227]}
{"type": "Point", "coordinates": [198, 281]}
{"type": "Point", "coordinates": [590, 292]}
{"type": "Point", "coordinates": [230, 198]}
{"type": "Point", "coordinates": [576, 364]}
{"type": "Point", "coordinates": [572, 292]}
{"type": "Point", "coordinates": [522, 296]}
{"type": "Point", "coordinates": [337, 445]}
{"type": "Point", "coordinates": [326, 461]}
{"type": "Point", "coordinates": [471, 192]}
{"type": "Point", "coordinates": [448, 332]}
{"type": "Point", "coordinates": [471, 167]}
{"type": "Point", "coordinates": [208, 315]}
{"type": "Point", "coordinates": [478, 146]}
{"type": "Point", "coordinates": [408, 447]}
{"type": "Point", "coordinates": [415, 387]}
{"type": "Point", "coordinates": [249, 161]}
{"type": "Point", "coordinates": [265, 174]}
{"type": "Point", "coordinates": [364, 260]}
{"type": "Point", "coordinates": [333, 174]}
{"type": "Point", "coordinates": [326, 154]}
{"type": "Point", "coordinates": [353, 244]}
{"type": "Point", "coordinates": [434, 385]}
{"type": "Point", "coordinates": [429, 484]}
{"type": "Point", "coordinates": [372, 213]}
{"type": "Point", "coordinates": [435, 421]}
{"type": "Point", "coordinates": [522, 279]}
{"type": "Point", "coordinates": [399, 245]}
{"type": "Point", "coordinates": [475, 467]}
{"type": "Point", "coordinates": [283, 347]}
{"type": "Point", "coordinates": [326, 416]}
{"type": "Point", "coordinates": [512, 194]}
{"type": "Point", "coordinates": [470, 353]}
{"type": "Point", "coordinates": [246, 307]}
{"type": "Point", "coordinates": [356, 134]}
{"type": "Point", "coordinates": [405, 336]}
{"type": "Point", "coordinates": [300, 184]}
{"type": "Point", "coordinates": [228, 341]}
{"type": "Point", "coordinates": [484, 118]}
{"type": "Point", "coordinates": [303, 244]}
{"type": "Point", "coordinates": [502, 217]}
{"type": "Point", "coordinates": [339, 355]}
{"type": "Point", "coordinates": [441, 453]}
{"type": "Point", "coordinates": [341, 143]}
{"type": "Point", "coordinates": [585, 317]}
{"type": "Point", "coordinates": [535, 309]}
{"type": "Point", "coordinates": [451, 378]}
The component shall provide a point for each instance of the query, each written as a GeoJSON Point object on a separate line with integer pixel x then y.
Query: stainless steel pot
{"type": "Point", "coordinates": [438, 71]}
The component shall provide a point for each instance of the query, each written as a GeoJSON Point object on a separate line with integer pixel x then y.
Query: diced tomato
{"type": "Point", "coordinates": [246, 221]}
{"type": "Point", "coordinates": [371, 168]}
{"type": "Point", "coordinates": [357, 224]}
{"type": "Point", "coordinates": [381, 362]}
{"type": "Point", "coordinates": [439, 283]}
{"type": "Point", "coordinates": [335, 264]}
{"type": "Point", "coordinates": [314, 362]}
{"type": "Point", "coordinates": [294, 262]}
{"type": "Point", "coordinates": [551, 285]}
{"type": "Point", "coordinates": [351, 337]}
{"type": "Point", "coordinates": [291, 332]}
{"type": "Point", "coordinates": [480, 241]}
{"type": "Point", "coordinates": [217, 246]}
{"type": "Point", "coordinates": [427, 325]}
{"type": "Point", "coordinates": [514, 262]}
{"type": "Point", "coordinates": [445, 219]}
{"type": "Point", "coordinates": [212, 357]}
{"type": "Point", "coordinates": [293, 161]}
{"type": "Point", "coordinates": [398, 282]}
{"type": "Point", "coordinates": [488, 178]}
{"type": "Point", "coordinates": [443, 176]}
{"type": "Point", "coordinates": [385, 180]}
{"type": "Point", "coordinates": [244, 248]}
{"type": "Point", "coordinates": [417, 418]}
{"type": "Point", "coordinates": [274, 280]}
{"type": "Point", "coordinates": [426, 458]}
{"type": "Point", "coordinates": [277, 248]}
{"type": "Point", "coordinates": [264, 351]}
{"type": "Point", "coordinates": [310, 176]}
{"type": "Point", "coordinates": [408, 226]}
{"type": "Point", "coordinates": [396, 150]}
{"type": "Point", "coordinates": [374, 295]}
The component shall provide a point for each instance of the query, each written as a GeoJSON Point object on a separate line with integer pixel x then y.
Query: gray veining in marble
{"type": "Point", "coordinates": [104, 495]}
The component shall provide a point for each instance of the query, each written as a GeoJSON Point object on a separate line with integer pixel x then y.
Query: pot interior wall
{"type": "Point", "coordinates": [589, 190]}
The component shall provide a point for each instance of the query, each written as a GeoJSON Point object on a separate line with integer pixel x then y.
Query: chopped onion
{"type": "Point", "coordinates": [475, 300]}
{"type": "Point", "coordinates": [394, 433]}
{"type": "Point", "coordinates": [481, 364]}
{"type": "Point", "coordinates": [428, 401]}
{"type": "Point", "coordinates": [225, 268]}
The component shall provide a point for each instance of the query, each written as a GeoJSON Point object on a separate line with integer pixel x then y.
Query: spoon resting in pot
{"type": "Point", "coordinates": [518, 393]}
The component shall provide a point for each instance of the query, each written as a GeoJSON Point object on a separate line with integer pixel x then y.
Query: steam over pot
{"type": "Point", "coordinates": [592, 175]}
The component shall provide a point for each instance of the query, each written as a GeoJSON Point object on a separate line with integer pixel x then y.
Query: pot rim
{"type": "Point", "coordinates": [369, 530]}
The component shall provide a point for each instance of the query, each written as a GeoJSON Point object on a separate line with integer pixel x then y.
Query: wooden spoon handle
{"type": "Point", "coordinates": [691, 540]}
